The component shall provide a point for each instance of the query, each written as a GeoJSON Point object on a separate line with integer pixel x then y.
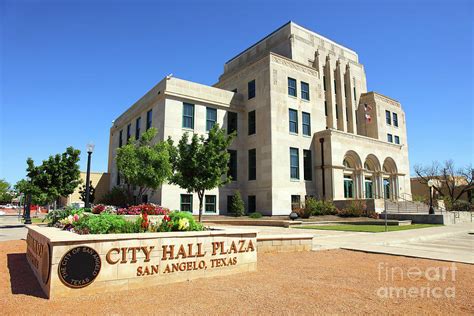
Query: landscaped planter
{"type": "Point", "coordinates": [68, 264]}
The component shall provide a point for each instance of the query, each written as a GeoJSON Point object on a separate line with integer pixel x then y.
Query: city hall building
{"type": "Point", "coordinates": [306, 126]}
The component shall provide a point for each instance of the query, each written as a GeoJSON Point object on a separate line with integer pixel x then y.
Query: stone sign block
{"type": "Point", "coordinates": [67, 264]}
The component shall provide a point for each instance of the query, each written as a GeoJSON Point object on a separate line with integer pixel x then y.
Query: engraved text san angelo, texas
{"type": "Point", "coordinates": [194, 252]}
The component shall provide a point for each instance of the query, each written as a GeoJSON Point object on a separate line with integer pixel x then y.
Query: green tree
{"type": "Point", "coordinates": [143, 164]}
{"type": "Point", "coordinates": [23, 187]}
{"type": "Point", "coordinates": [237, 206]}
{"type": "Point", "coordinates": [6, 195]}
{"type": "Point", "coordinates": [201, 164]}
{"type": "Point", "coordinates": [57, 176]}
{"type": "Point", "coordinates": [82, 192]}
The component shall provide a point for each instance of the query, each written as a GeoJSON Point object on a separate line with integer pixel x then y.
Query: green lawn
{"type": "Point", "coordinates": [366, 228]}
{"type": "Point", "coordinates": [35, 220]}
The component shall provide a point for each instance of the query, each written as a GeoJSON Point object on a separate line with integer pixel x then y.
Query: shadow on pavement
{"type": "Point", "coordinates": [22, 279]}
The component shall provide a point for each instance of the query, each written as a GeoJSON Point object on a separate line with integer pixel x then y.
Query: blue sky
{"type": "Point", "coordinates": [68, 68]}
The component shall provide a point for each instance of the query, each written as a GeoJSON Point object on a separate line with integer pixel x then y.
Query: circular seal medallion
{"type": "Point", "coordinates": [79, 267]}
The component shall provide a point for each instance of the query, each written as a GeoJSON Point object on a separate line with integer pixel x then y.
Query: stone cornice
{"type": "Point", "coordinates": [293, 64]}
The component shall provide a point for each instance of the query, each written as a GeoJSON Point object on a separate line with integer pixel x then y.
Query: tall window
{"type": "Point", "coordinates": [395, 119]}
{"type": "Point", "coordinates": [304, 91]}
{"type": "Point", "coordinates": [324, 83]}
{"type": "Point", "coordinates": [389, 138]}
{"type": "Point", "coordinates": [232, 165]}
{"type": "Point", "coordinates": [306, 124]}
{"type": "Point", "coordinates": [295, 202]}
{"type": "Point", "coordinates": [337, 113]}
{"type": "Point", "coordinates": [326, 108]}
{"type": "Point", "coordinates": [294, 164]}
{"type": "Point", "coordinates": [137, 127]}
{"type": "Point", "coordinates": [397, 140]}
{"type": "Point", "coordinates": [252, 122]}
{"type": "Point", "coordinates": [252, 164]}
{"type": "Point", "coordinates": [388, 118]}
{"type": "Point", "coordinates": [347, 114]}
{"type": "Point", "coordinates": [368, 188]}
{"type": "Point", "coordinates": [291, 87]}
{"type": "Point", "coordinates": [211, 118]}
{"type": "Point", "coordinates": [251, 204]}
{"type": "Point", "coordinates": [210, 204]}
{"type": "Point", "coordinates": [149, 116]}
{"type": "Point", "coordinates": [307, 165]}
{"type": "Point", "coordinates": [186, 203]}
{"type": "Point", "coordinates": [348, 187]}
{"type": "Point", "coordinates": [120, 138]}
{"type": "Point", "coordinates": [354, 82]}
{"type": "Point", "coordinates": [129, 131]}
{"type": "Point", "coordinates": [293, 114]}
{"type": "Point", "coordinates": [188, 115]}
{"type": "Point", "coordinates": [251, 89]}
{"type": "Point", "coordinates": [231, 122]}
{"type": "Point", "coordinates": [335, 86]}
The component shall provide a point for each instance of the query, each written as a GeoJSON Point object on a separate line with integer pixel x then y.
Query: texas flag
{"type": "Point", "coordinates": [368, 118]}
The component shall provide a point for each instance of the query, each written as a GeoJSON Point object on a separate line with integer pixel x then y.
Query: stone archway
{"type": "Point", "coordinates": [390, 179]}
{"type": "Point", "coordinates": [352, 167]}
{"type": "Point", "coordinates": [372, 177]}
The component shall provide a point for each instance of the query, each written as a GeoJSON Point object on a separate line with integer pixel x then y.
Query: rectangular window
{"type": "Point", "coordinates": [251, 89]}
{"type": "Point", "coordinates": [232, 165]}
{"type": "Point", "coordinates": [347, 114]}
{"type": "Point", "coordinates": [231, 122]}
{"type": "Point", "coordinates": [345, 90]}
{"type": "Point", "coordinates": [252, 122]}
{"type": "Point", "coordinates": [304, 91]}
{"type": "Point", "coordinates": [129, 131]}
{"type": "Point", "coordinates": [389, 138]}
{"type": "Point", "coordinates": [397, 140]}
{"type": "Point", "coordinates": [354, 82]}
{"type": "Point", "coordinates": [211, 118]}
{"type": "Point", "coordinates": [252, 164]}
{"type": "Point", "coordinates": [335, 86]}
{"type": "Point", "coordinates": [293, 115]}
{"type": "Point", "coordinates": [186, 203]}
{"type": "Point", "coordinates": [395, 119]}
{"type": "Point", "coordinates": [295, 202]}
{"type": "Point", "coordinates": [230, 198]}
{"type": "Point", "coordinates": [337, 113]}
{"type": "Point", "coordinates": [324, 83]}
{"type": "Point", "coordinates": [291, 87]}
{"type": "Point", "coordinates": [326, 108]}
{"type": "Point", "coordinates": [348, 187]}
{"type": "Point", "coordinates": [307, 165]}
{"type": "Point", "coordinates": [188, 115]}
{"type": "Point", "coordinates": [137, 127]}
{"type": "Point", "coordinates": [210, 204]}
{"type": "Point", "coordinates": [120, 138]}
{"type": "Point", "coordinates": [149, 115]}
{"type": "Point", "coordinates": [306, 124]}
{"type": "Point", "coordinates": [252, 204]}
{"type": "Point", "coordinates": [294, 164]}
{"type": "Point", "coordinates": [388, 118]}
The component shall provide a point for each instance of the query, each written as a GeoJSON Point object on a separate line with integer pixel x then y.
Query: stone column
{"type": "Point", "coordinates": [329, 94]}
{"type": "Point", "coordinates": [340, 99]}
{"type": "Point", "coordinates": [350, 103]}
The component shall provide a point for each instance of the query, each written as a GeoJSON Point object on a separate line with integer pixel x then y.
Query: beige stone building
{"type": "Point", "coordinates": [101, 183]}
{"type": "Point", "coordinates": [306, 126]}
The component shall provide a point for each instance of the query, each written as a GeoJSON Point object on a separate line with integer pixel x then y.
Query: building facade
{"type": "Point", "coordinates": [306, 126]}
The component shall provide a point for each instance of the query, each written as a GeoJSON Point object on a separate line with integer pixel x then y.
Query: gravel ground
{"type": "Point", "coordinates": [335, 281]}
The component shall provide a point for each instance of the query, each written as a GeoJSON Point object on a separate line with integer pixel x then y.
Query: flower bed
{"type": "Point", "coordinates": [107, 220]}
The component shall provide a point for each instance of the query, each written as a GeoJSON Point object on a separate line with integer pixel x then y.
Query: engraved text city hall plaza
{"type": "Point", "coordinates": [306, 126]}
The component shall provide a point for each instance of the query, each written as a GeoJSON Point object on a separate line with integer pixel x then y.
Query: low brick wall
{"type": "Point", "coordinates": [68, 264]}
{"type": "Point", "coordinates": [284, 243]}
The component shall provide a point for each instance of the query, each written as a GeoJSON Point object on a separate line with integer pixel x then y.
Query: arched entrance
{"type": "Point", "coordinates": [352, 166]}
{"type": "Point", "coordinates": [390, 179]}
{"type": "Point", "coordinates": [371, 177]}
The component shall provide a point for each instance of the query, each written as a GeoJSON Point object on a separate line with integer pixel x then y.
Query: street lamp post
{"type": "Point", "coordinates": [430, 185]}
{"type": "Point", "coordinates": [90, 149]}
{"type": "Point", "coordinates": [27, 216]}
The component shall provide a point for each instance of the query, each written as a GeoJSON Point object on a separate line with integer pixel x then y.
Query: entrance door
{"type": "Point", "coordinates": [368, 188]}
{"type": "Point", "coordinates": [386, 188]}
